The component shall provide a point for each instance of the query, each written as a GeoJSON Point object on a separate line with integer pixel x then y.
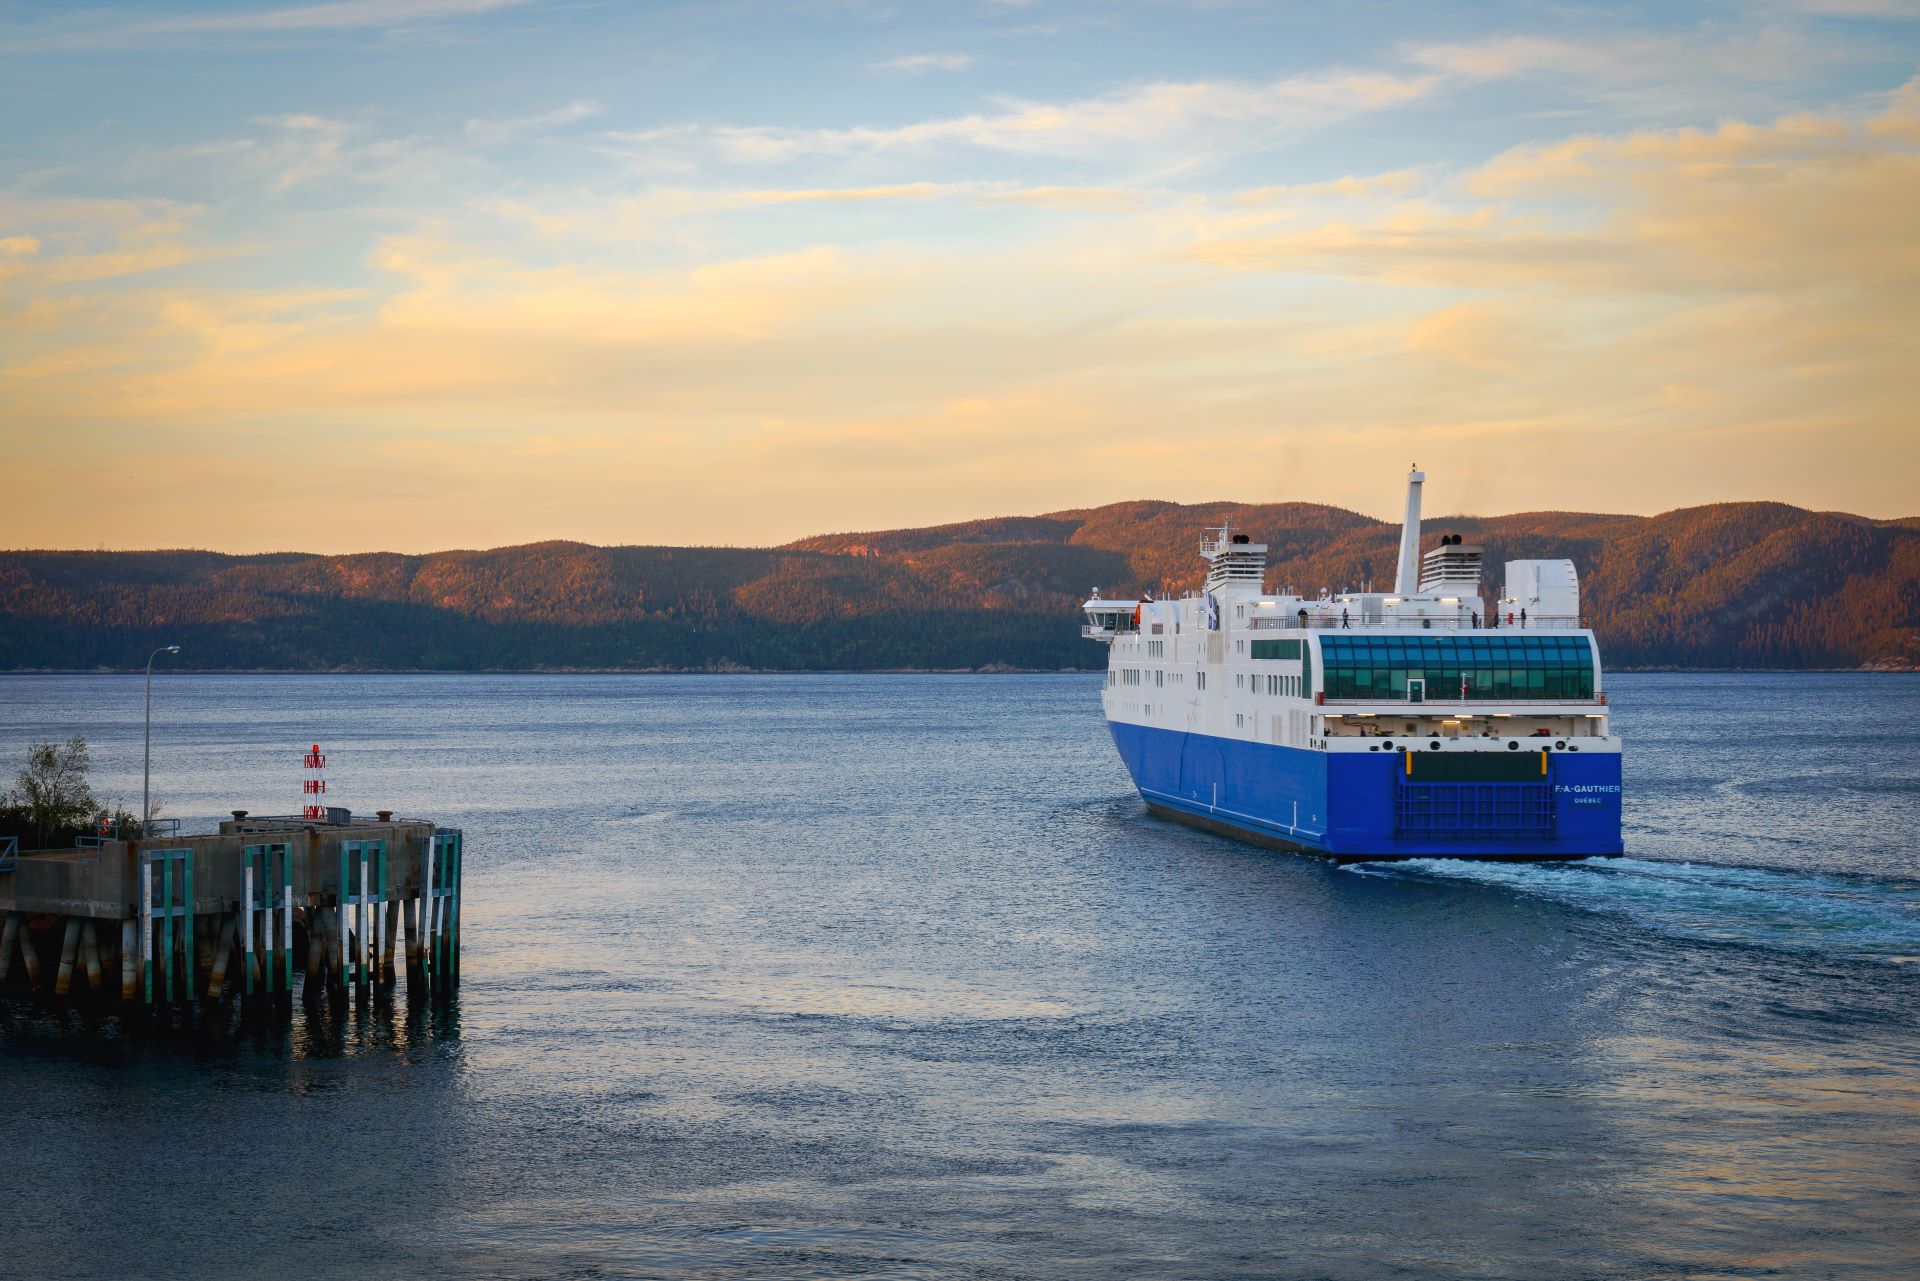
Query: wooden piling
{"type": "Point", "coordinates": [9, 943]}
{"type": "Point", "coordinates": [90, 953]}
{"type": "Point", "coordinates": [386, 951]}
{"type": "Point", "coordinates": [69, 952]}
{"type": "Point", "coordinates": [315, 942]}
{"type": "Point", "coordinates": [129, 960]}
{"type": "Point", "coordinates": [206, 935]}
{"type": "Point", "coordinates": [146, 928]}
{"type": "Point", "coordinates": [337, 937]}
{"type": "Point", "coordinates": [363, 937]}
{"type": "Point", "coordinates": [30, 956]}
{"type": "Point", "coordinates": [222, 951]}
{"type": "Point", "coordinates": [286, 925]}
{"type": "Point", "coordinates": [453, 909]}
{"type": "Point", "coordinates": [431, 906]}
{"type": "Point", "coordinates": [250, 974]}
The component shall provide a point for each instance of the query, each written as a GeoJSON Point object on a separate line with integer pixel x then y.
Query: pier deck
{"type": "Point", "coordinates": [263, 907]}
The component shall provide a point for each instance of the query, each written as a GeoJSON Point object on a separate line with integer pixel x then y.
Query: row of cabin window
{"type": "Point", "coordinates": [1492, 684]}
{"type": "Point", "coordinates": [1281, 685]}
{"type": "Point", "coordinates": [1133, 676]}
{"type": "Point", "coordinates": [1482, 650]}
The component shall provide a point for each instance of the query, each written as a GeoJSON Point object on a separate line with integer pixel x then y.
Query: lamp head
{"type": "Point", "coordinates": [173, 649]}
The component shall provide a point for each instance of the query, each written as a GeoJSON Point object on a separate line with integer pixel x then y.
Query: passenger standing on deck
{"type": "Point", "coordinates": [1344, 624]}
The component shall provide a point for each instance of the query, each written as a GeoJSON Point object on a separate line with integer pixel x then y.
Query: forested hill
{"type": "Point", "coordinates": [1731, 585]}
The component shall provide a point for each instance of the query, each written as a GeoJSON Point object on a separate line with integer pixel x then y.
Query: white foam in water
{"type": "Point", "coordinates": [1756, 906]}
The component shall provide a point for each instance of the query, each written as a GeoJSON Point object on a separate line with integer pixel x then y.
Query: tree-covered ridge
{"type": "Point", "coordinates": [1730, 585]}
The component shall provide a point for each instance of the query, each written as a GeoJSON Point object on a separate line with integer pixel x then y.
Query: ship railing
{"type": "Point", "coordinates": [1439, 701]}
{"type": "Point", "coordinates": [1334, 623]}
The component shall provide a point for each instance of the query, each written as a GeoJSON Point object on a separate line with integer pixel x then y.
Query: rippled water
{"type": "Point", "coordinates": [892, 977]}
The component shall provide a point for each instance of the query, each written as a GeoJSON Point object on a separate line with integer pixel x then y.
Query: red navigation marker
{"type": "Point", "coordinates": [313, 787]}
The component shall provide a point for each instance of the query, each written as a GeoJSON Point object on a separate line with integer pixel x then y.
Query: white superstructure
{"type": "Point", "coordinates": [1354, 672]}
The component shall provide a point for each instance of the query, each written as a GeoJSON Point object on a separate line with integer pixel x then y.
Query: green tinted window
{"type": "Point", "coordinates": [1275, 648]}
{"type": "Point", "coordinates": [1482, 667]}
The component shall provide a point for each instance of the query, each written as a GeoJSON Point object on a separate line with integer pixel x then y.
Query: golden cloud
{"type": "Point", "coordinates": [1632, 320]}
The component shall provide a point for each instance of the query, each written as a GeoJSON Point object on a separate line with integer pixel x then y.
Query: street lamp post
{"type": "Point", "coordinates": [146, 771]}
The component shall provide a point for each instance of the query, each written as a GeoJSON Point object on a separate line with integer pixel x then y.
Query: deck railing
{"type": "Point", "coordinates": [1334, 623]}
{"type": "Point", "coordinates": [1443, 701]}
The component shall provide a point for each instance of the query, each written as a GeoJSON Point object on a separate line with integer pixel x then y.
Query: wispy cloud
{"type": "Point", "coordinates": [117, 28]}
{"type": "Point", "coordinates": [1897, 9]}
{"type": "Point", "coordinates": [337, 16]}
{"type": "Point", "coordinates": [493, 132]}
{"type": "Point", "coordinates": [1693, 66]}
{"type": "Point", "coordinates": [915, 63]}
{"type": "Point", "coordinates": [71, 242]}
{"type": "Point", "coordinates": [1186, 123]}
{"type": "Point", "coordinates": [1222, 114]}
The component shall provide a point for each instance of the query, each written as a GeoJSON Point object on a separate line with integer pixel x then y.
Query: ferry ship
{"type": "Point", "coordinates": [1417, 723]}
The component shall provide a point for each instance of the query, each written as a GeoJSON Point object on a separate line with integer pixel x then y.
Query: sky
{"type": "Point", "coordinates": [419, 274]}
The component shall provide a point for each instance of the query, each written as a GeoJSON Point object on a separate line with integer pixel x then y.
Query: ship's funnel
{"type": "Point", "coordinates": [1407, 581]}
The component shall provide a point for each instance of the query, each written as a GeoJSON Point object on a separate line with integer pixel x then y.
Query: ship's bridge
{"type": "Point", "coordinates": [1107, 619]}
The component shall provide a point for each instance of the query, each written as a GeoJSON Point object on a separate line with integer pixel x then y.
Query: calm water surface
{"type": "Point", "coordinates": [892, 977]}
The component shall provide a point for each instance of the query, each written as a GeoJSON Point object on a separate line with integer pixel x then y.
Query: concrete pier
{"type": "Point", "coordinates": [265, 908]}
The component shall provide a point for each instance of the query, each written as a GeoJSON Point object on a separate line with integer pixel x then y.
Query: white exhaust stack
{"type": "Point", "coordinates": [1407, 581]}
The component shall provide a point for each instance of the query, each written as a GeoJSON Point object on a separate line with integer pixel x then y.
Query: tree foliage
{"type": "Point", "coordinates": [1729, 585]}
{"type": "Point", "coordinates": [51, 795]}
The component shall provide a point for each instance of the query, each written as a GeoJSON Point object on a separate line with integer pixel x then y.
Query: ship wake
{"type": "Point", "coordinates": [1751, 906]}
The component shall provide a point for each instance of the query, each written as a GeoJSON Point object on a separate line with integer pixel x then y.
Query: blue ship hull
{"type": "Point", "coordinates": [1362, 805]}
